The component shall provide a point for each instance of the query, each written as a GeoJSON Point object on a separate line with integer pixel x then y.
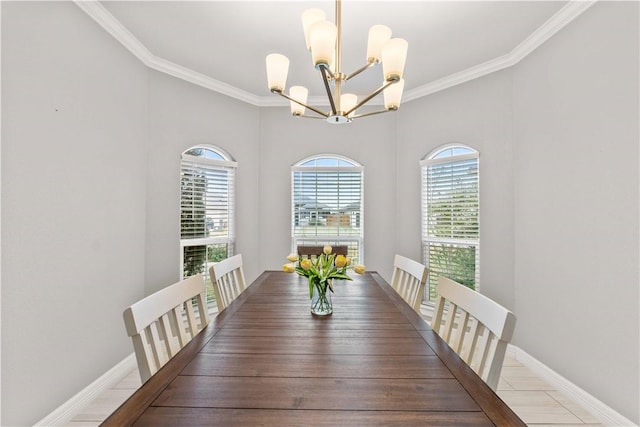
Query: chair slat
{"type": "Point", "coordinates": [450, 321]}
{"type": "Point", "coordinates": [154, 342]}
{"type": "Point", "coordinates": [461, 333]}
{"type": "Point", "coordinates": [483, 351]}
{"type": "Point", "coordinates": [177, 323]}
{"type": "Point", "coordinates": [191, 319]}
{"type": "Point", "coordinates": [203, 312]}
{"type": "Point", "coordinates": [170, 344]}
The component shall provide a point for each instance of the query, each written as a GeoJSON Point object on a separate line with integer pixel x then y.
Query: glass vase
{"type": "Point", "coordinates": [321, 304]}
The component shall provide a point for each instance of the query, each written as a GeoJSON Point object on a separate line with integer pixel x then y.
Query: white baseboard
{"type": "Point", "coordinates": [598, 409]}
{"type": "Point", "coordinates": [63, 414]}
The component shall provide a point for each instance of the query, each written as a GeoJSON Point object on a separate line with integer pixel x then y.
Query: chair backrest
{"type": "Point", "coordinates": [476, 327]}
{"type": "Point", "coordinates": [311, 251]}
{"type": "Point", "coordinates": [228, 281]}
{"type": "Point", "coordinates": [164, 322]}
{"type": "Point", "coordinates": [409, 278]}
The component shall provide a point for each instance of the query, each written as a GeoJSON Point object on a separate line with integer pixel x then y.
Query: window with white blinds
{"type": "Point", "coordinates": [327, 204]}
{"type": "Point", "coordinates": [207, 190]}
{"type": "Point", "coordinates": [450, 216]}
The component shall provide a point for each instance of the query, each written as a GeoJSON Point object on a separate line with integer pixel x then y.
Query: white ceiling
{"type": "Point", "coordinates": [227, 41]}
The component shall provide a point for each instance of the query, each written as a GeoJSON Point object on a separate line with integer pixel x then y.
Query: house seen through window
{"type": "Point", "coordinates": [450, 216]}
{"type": "Point", "coordinates": [207, 190]}
{"type": "Point", "coordinates": [327, 204]}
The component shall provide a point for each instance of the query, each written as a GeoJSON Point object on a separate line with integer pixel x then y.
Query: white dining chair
{"type": "Point", "coordinates": [228, 280]}
{"type": "Point", "coordinates": [475, 327]}
{"type": "Point", "coordinates": [164, 322]}
{"type": "Point", "coordinates": [409, 279]}
{"type": "Point", "coordinates": [315, 251]}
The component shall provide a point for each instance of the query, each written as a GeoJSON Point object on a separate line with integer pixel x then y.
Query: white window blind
{"type": "Point", "coordinates": [207, 229]}
{"type": "Point", "coordinates": [450, 216]}
{"type": "Point", "coordinates": [327, 204]}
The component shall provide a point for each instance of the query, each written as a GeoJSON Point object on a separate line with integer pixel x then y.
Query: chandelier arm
{"type": "Point", "coordinates": [304, 116]}
{"type": "Point", "coordinates": [360, 70]}
{"type": "Point", "coordinates": [315, 110]}
{"type": "Point", "coordinates": [368, 98]}
{"type": "Point", "coordinates": [371, 113]}
{"type": "Point", "coordinates": [323, 70]}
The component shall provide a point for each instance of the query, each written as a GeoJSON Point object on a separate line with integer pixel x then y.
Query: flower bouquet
{"type": "Point", "coordinates": [320, 272]}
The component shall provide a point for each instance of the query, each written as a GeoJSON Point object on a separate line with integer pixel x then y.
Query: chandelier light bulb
{"type": "Point", "coordinates": [322, 37]}
{"type": "Point", "coordinates": [277, 70]}
{"type": "Point", "coordinates": [378, 36]}
{"type": "Point", "coordinates": [347, 102]}
{"type": "Point", "coordinates": [299, 93]}
{"type": "Point", "coordinates": [394, 55]}
{"type": "Point", "coordinates": [310, 17]}
{"type": "Point", "coordinates": [393, 95]}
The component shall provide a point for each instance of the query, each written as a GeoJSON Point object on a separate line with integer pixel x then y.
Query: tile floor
{"type": "Point", "coordinates": [535, 401]}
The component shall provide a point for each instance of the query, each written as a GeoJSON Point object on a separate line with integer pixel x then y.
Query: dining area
{"type": "Point", "coordinates": [266, 359]}
{"type": "Point", "coordinates": [102, 120]}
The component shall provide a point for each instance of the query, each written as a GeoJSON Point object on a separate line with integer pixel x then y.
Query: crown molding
{"type": "Point", "coordinates": [107, 21]}
{"type": "Point", "coordinates": [175, 70]}
{"type": "Point", "coordinates": [554, 24]}
{"type": "Point", "coordinates": [111, 25]}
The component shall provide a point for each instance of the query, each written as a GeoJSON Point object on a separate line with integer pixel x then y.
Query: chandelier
{"type": "Point", "coordinates": [323, 39]}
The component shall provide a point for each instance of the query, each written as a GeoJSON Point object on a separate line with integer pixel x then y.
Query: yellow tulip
{"type": "Point", "coordinates": [305, 264]}
{"type": "Point", "coordinates": [288, 268]}
{"type": "Point", "coordinates": [359, 268]}
{"type": "Point", "coordinates": [348, 261]}
{"type": "Point", "coordinates": [327, 249]}
{"type": "Point", "coordinates": [341, 261]}
{"type": "Point", "coordinates": [292, 257]}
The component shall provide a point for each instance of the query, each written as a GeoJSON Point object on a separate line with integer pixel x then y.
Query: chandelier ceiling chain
{"type": "Point", "coordinates": [324, 40]}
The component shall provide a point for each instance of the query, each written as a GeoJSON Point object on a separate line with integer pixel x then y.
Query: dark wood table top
{"type": "Point", "coordinates": [265, 360]}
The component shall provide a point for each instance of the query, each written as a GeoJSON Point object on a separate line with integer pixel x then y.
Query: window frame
{"type": "Point", "coordinates": [229, 166]}
{"type": "Point", "coordinates": [435, 158]}
{"type": "Point", "coordinates": [350, 166]}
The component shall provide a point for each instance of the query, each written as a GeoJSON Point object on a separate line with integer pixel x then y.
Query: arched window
{"type": "Point", "coordinates": [207, 193]}
{"type": "Point", "coordinates": [327, 203]}
{"type": "Point", "coordinates": [450, 216]}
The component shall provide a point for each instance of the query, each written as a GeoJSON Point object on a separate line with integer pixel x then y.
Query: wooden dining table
{"type": "Point", "coordinates": [266, 360]}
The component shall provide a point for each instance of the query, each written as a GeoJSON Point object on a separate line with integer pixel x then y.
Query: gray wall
{"type": "Point", "coordinates": [182, 115]}
{"type": "Point", "coordinates": [576, 204]}
{"type": "Point", "coordinates": [74, 148]}
{"type": "Point", "coordinates": [284, 141]}
{"type": "Point", "coordinates": [477, 114]}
